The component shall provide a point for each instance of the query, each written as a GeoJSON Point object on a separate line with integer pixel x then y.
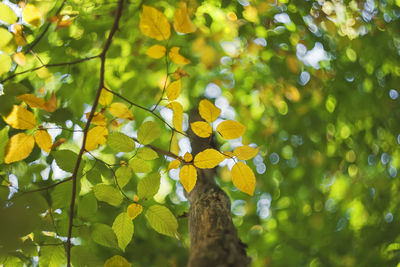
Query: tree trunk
{"type": "Point", "coordinates": [213, 237]}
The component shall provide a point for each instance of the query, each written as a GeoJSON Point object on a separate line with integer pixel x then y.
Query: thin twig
{"type": "Point", "coordinates": [146, 109]}
{"type": "Point", "coordinates": [86, 129]}
{"type": "Point", "coordinates": [50, 65]}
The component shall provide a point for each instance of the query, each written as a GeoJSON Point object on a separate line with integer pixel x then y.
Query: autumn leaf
{"type": "Point", "coordinates": [208, 111]}
{"type": "Point", "coordinates": [121, 111]}
{"type": "Point", "coordinates": [187, 157]}
{"type": "Point", "coordinates": [105, 97]}
{"type": "Point", "coordinates": [98, 119]}
{"type": "Point", "coordinates": [18, 147]}
{"type": "Point", "coordinates": [32, 15]}
{"type": "Point", "coordinates": [243, 178]}
{"type": "Point", "coordinates": [32, 100]}
{"type": "Point", "coordinates": [134, 210]}
{"type": "Point", "coordinates": [245, 152]}
{"type": "Point", "coordinates": [201, 128]}
{"type": "Point", "coordinates": [43, 140]}
{"type": "Point", "coordinates": [95, 137]}
{"type": "Point", "coordinates": [174, 164]}
{"type": "Point", "coordinates": [177, 118]}
{"type": "Point", "coordinates": [182, 22]}
{"type": "Point", "coordinates": [173, 90]}
{"type": "Point", "coordinates": [19, 58]}
{"type": "Point", "coordinates": [208, 158]}
{"type": "Point", "coordinates": [179, 73]}
{"type": "Point", "coordinates": [176, 57]}
{"type": "Point", "coordinates": [61, 21]}
{"type": "Point", "coordinates": [19, 35]}
{"type": "Point", "coordinates": [230, 129]}
{"type": "Point", "coordinates": [188, 177]}
{"type": "Point", "coordinates": [20, 118]}
{"type": "Point", "coordinates": [37, 102]}
{"type": "Point", "coordinates": [154, 24]}
{"type": "Point", "coordinates": [156, 51]}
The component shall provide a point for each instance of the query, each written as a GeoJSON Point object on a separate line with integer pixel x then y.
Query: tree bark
{"type": "Point", "coordinates": [213, 237]}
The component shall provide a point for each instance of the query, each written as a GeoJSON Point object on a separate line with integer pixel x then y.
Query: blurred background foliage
{"type": "Point", "coordinates": [315, 82]}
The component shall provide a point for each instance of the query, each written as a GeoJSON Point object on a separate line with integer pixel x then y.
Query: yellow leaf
{"type": "Point", "coordinates": [121, 111]}
{"type": "Point", "coordinates": [182, 21]}
{"type": "Point", "coordinates": [19, 35]}
{"type": "Point", "coordinates": [154, 24]}
{"type": "Point", "coordinates": [201, 128]}
{"type": "Point", "coordinates": [231, 129]}
{"type": "Point", "coordinates": [98, 119]}
{"type": "Point", "coordinates": [134, 210]}
{"type": "Point", "coordinates": [245, 152]}
{"type": "Point", "coordinates": [156, 51]}
{"type": "Point", "coordinates": [228, 154]}
{"type": "Point", "coordinates": [187, 157]}
{"type": "Point", "coordinates": [178, 115]}
{"type": "Point", "coordinates": [19, 58]}
{"type": "Point", "coordinates": [20, 118]}
{"type": "Point", "coordinates": [174, 164]}
{"type": "Point", "coordinates": [18, 147]}
{"type": "Point", "coordinates": [188, 177]}
{"type": "Point", "coordinates": [173, 90]}
{"type": "Point", "coordinates": [95, 137]}
{"type": "Point", "coordinates": [51, 104]}
{"type": "Point", "coordinates": [43, 140]}
{"type": "Point", "coordinates": [243, 178]}
{"type": "Point", "coordinates": [208, 111]}
{"type": "Point", "coordinates": [32, 15]}
{"type": "Point", "coordinates": [32, 100]}
{"type": "Point", "coordinates": [179, 73]}
{"type": "Point", "coordinates": [117, 261]}
{"type": "Point", "coordinates": [208, 158]}
{"type": "Point", "coordinates": [105, 97]}
{"type": "Point", "coordinates": [37, 102]}
{"type": "Point", "coordinates": [176, 57]}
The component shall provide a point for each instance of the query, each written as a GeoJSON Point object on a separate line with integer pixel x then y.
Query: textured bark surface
{"type": "Point", "coordinates": [213, 237]}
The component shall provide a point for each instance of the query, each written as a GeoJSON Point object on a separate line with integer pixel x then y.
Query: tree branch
{"type": "Point", "coordinates": [50, 65]}
{"type": "Point", "coordinates": [86, 129]}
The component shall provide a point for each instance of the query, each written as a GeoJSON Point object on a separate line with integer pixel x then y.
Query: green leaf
{"type": "Point", "coordinates": [66, 159]}
{"type": "Point", "coordinates": [148, 132]}
{"type": "Point", "coordinates": [139, 166]}
{"type": "Point", "coordinates": [123, 229]}
{"type": "Point", "coordinates": [120, 142]}
{"type": "Point", "coordinates": [5, 38]}
{"type": "Point", "coordinates": [15, 89]}
{"type": "Point", "coordinates": [108, 193]}
{"type": "Point", "coordinates": [52, 256]}
{"type": "Point", "coordinates": [117, 261]}
{"type": "Point", "coordinates": [3, 142]}
{"type": "Point", "coordinates": [124, 175]}
{"type": "Point", "coordinates": [87, 206]}
{"type": "Point", "coordinates": [5, 62]}
{"type": "Point", "coordinates": [149, 186]}
{"type": "Point", "coordinates": [61, 195]}
{"type": "Point", "coordinates": [104, 235]}
{"type": "Point", "coordinates": [162, 220]}
{"type": "Point", "coordinates": [94, 176]}
{"type": "Point", "coordinates": [7, 15]}
{"type": "Point", "coordinates": [147, 153]}
{"type": "Point", "coordinates": [83, 257]}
